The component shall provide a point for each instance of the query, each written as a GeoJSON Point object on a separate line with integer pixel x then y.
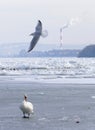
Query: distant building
{"type": "Point", "coordinates": [50, 53]}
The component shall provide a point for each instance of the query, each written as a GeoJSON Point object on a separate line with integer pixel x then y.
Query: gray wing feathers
{"type": "Point", "coordinates": [36, 35]}
{"type": "Point", "coordinates": [33, 42]}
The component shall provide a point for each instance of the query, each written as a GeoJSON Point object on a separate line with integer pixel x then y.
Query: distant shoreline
{"type": "Point", "coordinates": [64, 81]}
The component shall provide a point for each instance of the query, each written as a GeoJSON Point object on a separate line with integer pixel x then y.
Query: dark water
{"type": "Point", "coordinates": [56, 106]}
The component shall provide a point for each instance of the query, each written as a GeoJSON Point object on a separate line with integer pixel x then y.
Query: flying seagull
{"type": "Point", "coordinates": [36, 35]}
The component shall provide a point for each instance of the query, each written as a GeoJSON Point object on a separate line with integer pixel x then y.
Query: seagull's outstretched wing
{"type": "Point", "coordinates": [33, 42]}
{"type": "Point", "coordinates": [36, 35]}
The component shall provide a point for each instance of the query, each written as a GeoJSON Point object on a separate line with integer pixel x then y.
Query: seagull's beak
{"type": "Point", "coordinates": [25, 97]}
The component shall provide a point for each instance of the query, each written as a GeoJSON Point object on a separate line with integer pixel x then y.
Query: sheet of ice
{"type": "Point", "coordinates": [56, 106]}
{"type": "Point", "coordinates": [60, 70]}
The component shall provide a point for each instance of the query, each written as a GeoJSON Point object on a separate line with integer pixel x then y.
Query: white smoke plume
{"type": "Point", "coordinates": [65, 26]}
{"type": "Point", "coordinates": [74, 21]}
{"type": "Point", "coordinates": [71, 22]}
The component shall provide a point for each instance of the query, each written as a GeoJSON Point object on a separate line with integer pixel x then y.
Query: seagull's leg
{"type": "Point", "coordinates": [28, 115]}
{"type": "Point", "coordinates": [24, 115]}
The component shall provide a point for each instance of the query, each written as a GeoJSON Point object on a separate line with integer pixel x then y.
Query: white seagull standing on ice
{"type": "Point", "coordinates": [26, 107]}
{"type": "Point", "coordinates": [36, 35]}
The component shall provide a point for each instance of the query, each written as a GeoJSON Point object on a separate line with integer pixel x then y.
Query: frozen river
{"type": "Point", "coordinates": [56, 106]}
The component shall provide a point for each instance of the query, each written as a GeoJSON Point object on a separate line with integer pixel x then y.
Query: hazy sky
{"type": "Point", "coordinates": [18, 19]}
